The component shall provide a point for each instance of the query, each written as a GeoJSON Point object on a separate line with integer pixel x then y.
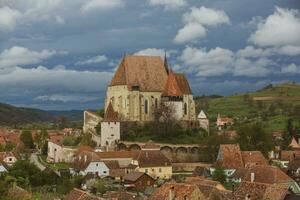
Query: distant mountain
{"type": "Point", "coordinates": [16, 115]}
{"type": "Point", "coordinates": [10, 115]}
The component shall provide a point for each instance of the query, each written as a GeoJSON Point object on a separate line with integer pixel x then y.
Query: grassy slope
{"type": "Point", "coordinates": [15, 115]}
{"type": "Point", "coordinates": [235, 106]}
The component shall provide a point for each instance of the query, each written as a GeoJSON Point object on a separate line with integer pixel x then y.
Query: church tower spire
{"type": "Point", "coordinates": [166, 63]}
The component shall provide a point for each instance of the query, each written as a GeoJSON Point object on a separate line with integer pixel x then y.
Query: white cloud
{"type": "Point", "coordinates": [50, 80]}
{"type": "Point", "coordinates": [291, 69]}
{"type": "Point", "coordinates": [66, 98]}
{"type": "Point", "coordinates": [153, 52]}
{"type": "Point", "coordinates": [101, 5]}
{"type": "Point", "coordinates": [219, 61]}
{"type": "Point", "coordinates": [190, 32]}
{"type": "Point", "coordinates": [168, 4]}
{"type": "Point", "coordinates": [280, 28]}
{"type": "Point", "coordinates": [17, 56]}
{"type": "Point", "coordinates": [196, 22]}
{"type": "Point", "coordinates": [8, 18]}
{"type": "Point", "coordinates": [214, 62]}
{"type": "Point", "coordinates": [289, 50]}
{"type": "Point", "coordinates": [252, 52]}
{"type": "Point", "coordinates": [246, 67]}
{"type": "Point", "coordinates": [206, 16]}
{"type": "Point", "coordinates": [93, 60]}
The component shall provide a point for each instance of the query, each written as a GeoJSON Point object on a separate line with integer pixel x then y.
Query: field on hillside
{"type": "Point", "coordinates": [271, 105]}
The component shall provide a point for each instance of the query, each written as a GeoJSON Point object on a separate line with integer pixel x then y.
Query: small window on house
{"type": "Point", "coordinates": [146, 170]}
{"type": "Point", "coordinates": [55, 150]}
{"type": "Point", "coordinates": [97, 164]}
{"type": "Point", "coordinates": [153, 170]}
{"type": "Point", "coordinates": [146, 106]}
{"type": "Point", "coordinates": [185, 108]}
{"type": "Point", "coordinates": [112, 135]}
{"type": "Point", "coordinates": [159, 170]}
{"type": "Point", "coordinates": [104, 172]}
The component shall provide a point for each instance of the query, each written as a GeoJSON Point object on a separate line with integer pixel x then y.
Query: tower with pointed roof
{"type": "Point", "coordinates": [110, 128]}
{"type": "Point", "coordinates": [203, 121]}
{"type": "Point", "coordinates": [140, 84]}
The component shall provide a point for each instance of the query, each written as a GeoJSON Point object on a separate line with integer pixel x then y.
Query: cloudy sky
{"type": "Point", "coordinates": [61, 54]}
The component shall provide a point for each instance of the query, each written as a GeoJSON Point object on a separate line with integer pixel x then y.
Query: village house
{"type": "Point", "coordinates": [57, 152]}
{"type": "Point", "coordinates": [177, 191]}
{"type": "Point", "coordinates": [77, 194]}
{"type": "Point", "coordinates": [203, 121]}
{"type": "Point", "coordinates": [88, 162]}
{"type": "Point", "coordinates": [231, 158]}
{"type": "Point", "coordinates": [294, 169]}
{"type": "Point", "coordinates": [285, 156]}
{"type": "Point", "coordinates": [224, 122]}
{"type": "Point", "coordinates": [153, 163]}
{"type": "Point", "coordinates": [138, 180]}
{"type": "Point", "coordinates": [267, 174]}
{"type": "Point", "coordinates": [254, 191]}
{"type": "Point", "coordinates": [210, 189]}
{"type": "Point", "coordinates": [142, 83]}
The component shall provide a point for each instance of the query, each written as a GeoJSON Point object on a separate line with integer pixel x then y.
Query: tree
{"type": "Point", "coordinates": [41, 138]}
{"type": "Point", "coordinates": [219, 175]}
{"type": "Point", "coordinates": [253, 137]}
{"type": "Point", "coordinates": [164, 119]}
{"type": "Point", "coordinates": [26, 138]}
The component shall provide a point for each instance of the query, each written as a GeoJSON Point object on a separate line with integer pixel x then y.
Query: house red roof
{"type": "Point", "coordinates": [231, 157]}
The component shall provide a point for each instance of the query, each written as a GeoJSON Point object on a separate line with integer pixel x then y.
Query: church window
{"type": "Point", "coordinates": [156, 103]}
{"type": "Point", "coordinates": [146, 106]}
{"type": "Point", "coordinates": [185, 108]}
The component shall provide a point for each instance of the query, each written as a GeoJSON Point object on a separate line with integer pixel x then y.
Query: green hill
{"type": "Point", "coordinates": [271, 105]}
{"type": "Point", "coordinates": [10, 115]}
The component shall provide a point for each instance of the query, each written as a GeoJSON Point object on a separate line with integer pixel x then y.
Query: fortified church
{"type": "Point", "coordinates": [142, 83]}
{"type": "Point", "coordinates": [139, 87]}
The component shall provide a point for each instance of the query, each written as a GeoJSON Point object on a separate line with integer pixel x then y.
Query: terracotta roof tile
{"type": "Point", "coordinates": [253, 157]}
{"type": "Point", "coordinates": [152, 159]}
{"type": "Point", "coordinates": [229, 157]}
{"type": "Point", "coordinates": [259, 191]}
{"type": "Point", "coordinates": [289, 155]}
{"type": "Point", "coordinates": [110, 114]}
{"type": "Point", "coordinates": [77, 194]}
{"type": "Point", "coordinates": [147, 72]}
{"type": "Point", "coordinates": [267, 174]}
{"type": "Point", "coordinates": [116, 154]}
{"type": "Point", "coordinates": [181, 191]}
{"type": "Point", "coordinates": [133, 176]}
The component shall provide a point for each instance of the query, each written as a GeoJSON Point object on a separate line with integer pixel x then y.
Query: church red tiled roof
{"type": "Point", "coordinates": [147, 72]}
{"type": "Point", "coordinates": [110, 114]}
{"type": "Point", "coordinates": [177, 85]}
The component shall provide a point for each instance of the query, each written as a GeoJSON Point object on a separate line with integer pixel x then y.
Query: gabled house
{"type": "Point", "coordinates": [224, 122]}
{"type": "Point", "coordinates": [89, 163]}
{"type": "Point", "coordinates": [230, 158]}
{"type": "Point", "coordinates": [77, 194]}
{"type": "Point", "coordinates": [267, 175]}
{"type": "Point", "coordinates": [210, 189]}
{"type": "Point", "coordinates": [177, 191]}
{"type": "Point", "coordinates": [138, 180]}
{"type": "Point", "coordinates": [153, 163]}
{"type": "Point", "coordinates": [287, 156]}
{"type": "Point", "coordinates": [256, 191]}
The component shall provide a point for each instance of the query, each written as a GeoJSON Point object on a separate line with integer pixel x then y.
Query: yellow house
{"type": "Point", "coordinates": [153, 163]}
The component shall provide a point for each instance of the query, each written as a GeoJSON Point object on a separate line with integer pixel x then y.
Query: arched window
{"type": "Point", "coordinates": [146, 106]}
{"type": "Point", "coordinates": [185, 108]}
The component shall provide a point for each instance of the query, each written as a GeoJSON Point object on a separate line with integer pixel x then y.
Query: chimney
{"type": "Point", "coordinates": [252, 177]}
{"type": "Point", "coordinates": [171, 193]}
